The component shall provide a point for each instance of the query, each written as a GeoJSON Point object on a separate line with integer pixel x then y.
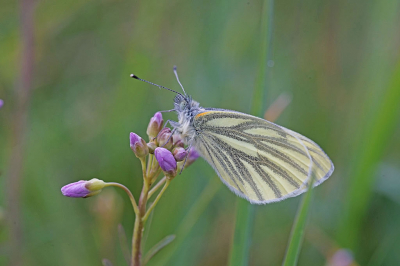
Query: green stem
{"type": "Point", "coordinates": [143, 162]}
{"type": "Point", "coordinates": [297, 235]}
{"type": "Point", "coordinates": [157, 186]}
{"type": "Point", "coordinates": [139, 226]}
{"type": "Point", "coordinates": [156, 200]}
{"type": "Point", "coordinates": [149, 164]}
{"type": "Point", "coordinates": [133, 201]}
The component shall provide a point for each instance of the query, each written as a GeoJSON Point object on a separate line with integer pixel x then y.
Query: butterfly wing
{"type": "Point", "coordinates": [258, 160]}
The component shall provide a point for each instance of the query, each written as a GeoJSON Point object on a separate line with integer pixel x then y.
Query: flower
{"type": "Point", "coordinates": [138, 145]}
{"type": "Point", "coordinates": [155, 125]}
{"type": "Point", "coordinates": [179, 154]}
{"type": "Point", "coordinates": [83, 188]}
{"type": "Point", "coordinates": [166, 161]}
{"type": "Point", "coordinates": [165, 138]}
{"type": "Point", "coordinates": [1, 103]}
{"type": "Point", "coordinates": [342, 257]}
{"type": "Point", "coordinates": [178, 141]}
{"type": "Point", "coordinates": [193, 155]}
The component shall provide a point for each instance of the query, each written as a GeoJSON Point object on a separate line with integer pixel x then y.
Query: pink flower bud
{"type": "Point", "coordinates": [165, 138]}
{"type": "Point", "coordinates": [1, 103]}
{"type": "Point", "coordinates": [138, 145]}
{"type": "Point", "coordinates": [166, 161]}
{"type": "Point", "coordinates": [155, 125]}
{"type": "Point", "coordinates": [179, 154]}
{"type": "Point", "coordinates": [83, 188]}
{"type": "Point", "coordinates": [193, 155]}
{"type": "Point", "coordinates": [178, 141]}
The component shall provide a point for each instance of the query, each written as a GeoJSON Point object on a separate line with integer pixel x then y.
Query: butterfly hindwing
{"type": "Point", "coordinates": [258, 160]}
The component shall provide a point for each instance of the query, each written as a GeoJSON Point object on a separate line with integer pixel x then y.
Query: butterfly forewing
{"type": "Point", "coordinates": [257, 159]}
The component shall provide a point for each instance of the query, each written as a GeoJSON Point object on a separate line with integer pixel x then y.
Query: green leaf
{"type": "Point", "coordinates": [123, 241]}
{"type": "Point", "coordinates": [197, 209]}
{"type": "Point", "coordinates": [240, 247]}
{"type": "Point", "coordinates": [239, 254]}
{"type": "Point", "coordinates": [147, 227]}
{"type": "Point", "coordinates": [383, 119]}
{"type": "Point", "coordinates": [160, 245]}
{"type": "Point", "coordinates": [297, 235]}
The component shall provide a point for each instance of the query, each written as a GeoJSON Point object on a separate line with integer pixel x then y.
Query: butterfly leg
{"type": "Point", "coordinates": [187, 155]}
{"type": "Point", "coordinates": [167, 111]}
{"type": "Point", "coordinates": [165, 125]}
{"type": "Point", "coordinates": [172, 133]}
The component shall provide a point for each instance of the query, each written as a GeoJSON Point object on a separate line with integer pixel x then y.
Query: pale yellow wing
{"type": "Point", "coordinates": [259, 160]}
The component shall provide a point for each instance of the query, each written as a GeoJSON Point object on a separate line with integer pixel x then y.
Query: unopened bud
{"type": "Point", "coordinates": [193, 155]}
{"type": "Point", "coordinates": [1, 103]}
{"type": "Point", "coordinates": [138, 145]}
{"type": "Point", "coordinates": [155, 125]}
{"type": "Point", "coordinates": [178, 141]}
{"type": "Point", "coordinates": [166, 161]}
{"type": "Point", "coordinates": [179, 154]}
{"type": "Point", "coordinates": [152, 146]}
{"type": "Point", "coordinates": [165, 138]}
{"type": "Point", "coordinates": [83, 188]}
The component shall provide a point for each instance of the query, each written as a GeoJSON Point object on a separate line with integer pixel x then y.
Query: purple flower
{"type": "Point", "coordinates": [193, 155]}
{"type": "Point", "coordinates": [75, 190]}
{"type": "Point", "coordinates": [342, 257]}
{"type": "Point", "coordinates": [179, 154]}
{"type": "Point", "coordinates": [1, 103]}
{"type": "Point", "coordinates": [178, 141]}
{"type": "Point", "coordinates": [166, 161]}
{"type": "Point", "coordinates": [155, 125]}
{"type": "Point", "coordinates": [165, 138]}
{"type": "Point", "coordinates": [83, 188]}
{"type": "Point", "coordinates": [138, 145]}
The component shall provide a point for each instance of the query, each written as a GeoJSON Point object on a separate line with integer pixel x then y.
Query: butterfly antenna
{"type": "Point", "coordinates": [136, 77]}
{"type": "Point", "coordinates": [177, 78]}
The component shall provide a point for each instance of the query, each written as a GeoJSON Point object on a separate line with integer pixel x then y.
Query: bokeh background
{"type": "Point", "coordinates": [69, 106]}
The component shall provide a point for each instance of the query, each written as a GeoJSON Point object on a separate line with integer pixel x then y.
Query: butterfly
{"type": "Point", "coordinates": [256, 159]}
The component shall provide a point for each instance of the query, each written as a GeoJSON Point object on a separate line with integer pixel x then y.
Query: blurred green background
{"type": "Point", "coordinates": [70, 105]}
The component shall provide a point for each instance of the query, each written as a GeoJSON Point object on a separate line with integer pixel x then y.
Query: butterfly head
{"type": "Point", "coordinates": [185, 104]}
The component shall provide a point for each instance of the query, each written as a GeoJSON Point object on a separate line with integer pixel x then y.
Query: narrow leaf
{"type": "Point", "coordinates": [297, 235]}
{"type": "Point", "coordinates": [147, 227]}
{"type": "Point", "coordinates": [240, 247]}
{"type": "Point", "coordinates": [239, 254]}
{"type": "Point", "coordinates": [160, 245]}
{"type": "Point", "coordinates": [195, 211]}
{"type": "Point", "coordinates": [123, 241]}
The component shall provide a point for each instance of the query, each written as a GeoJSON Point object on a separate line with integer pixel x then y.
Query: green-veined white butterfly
{"type": "Point", "coordinates": [257, 159]}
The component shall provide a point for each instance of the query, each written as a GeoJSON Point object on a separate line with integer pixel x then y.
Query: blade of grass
{"type": "Point", "coordinates": [193, 216]}
{"type": "Point", "coordinates": [123, 241]}
{"type": "Point", "coordinates": [157, 247]}
{"type": "Point", "coordinates": [382, 123]}
{"type": "Point", "coordinates": [239, 253]}
{"type": "Point", "coordinates": [147, 229]}
{"type": "Point", "coordinates": [297, 234]}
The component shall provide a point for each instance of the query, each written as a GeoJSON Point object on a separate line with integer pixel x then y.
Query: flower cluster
{"type": "Point", "coordinates": [168, 148]}
{"type": "Point", "coordinates": [165, 152]}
